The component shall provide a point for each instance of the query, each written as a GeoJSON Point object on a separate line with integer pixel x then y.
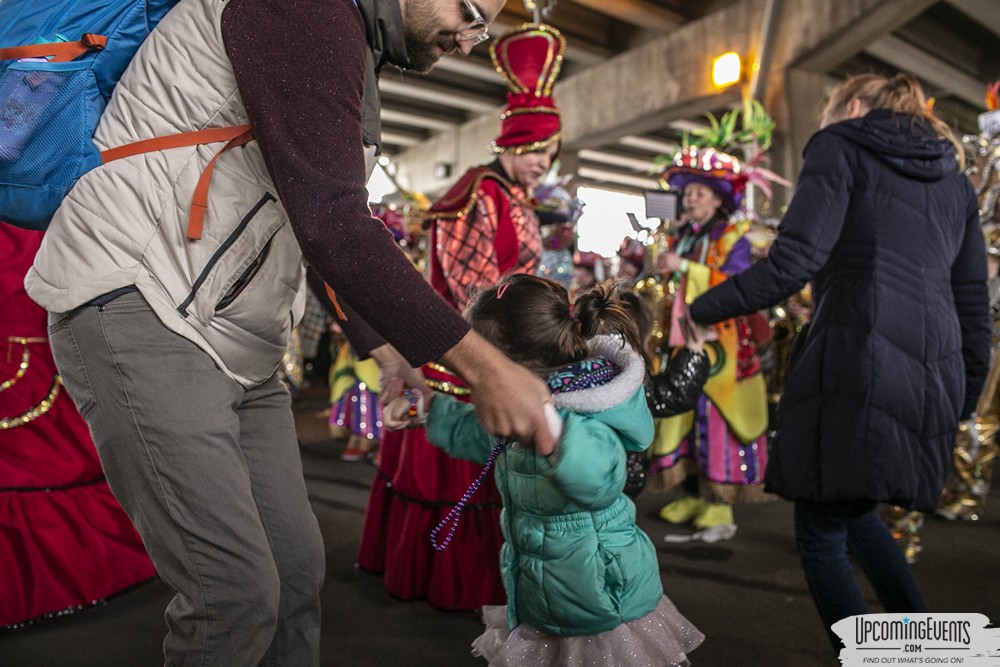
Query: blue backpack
{"type": "Point", "coordinates": [59, 63]}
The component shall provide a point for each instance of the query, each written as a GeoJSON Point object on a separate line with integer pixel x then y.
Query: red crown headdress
{"type": "Point", "coordinates": [528, 58]}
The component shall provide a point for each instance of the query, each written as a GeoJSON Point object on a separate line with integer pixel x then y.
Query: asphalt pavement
{"type": "Point", "coordinates": [746, 594]}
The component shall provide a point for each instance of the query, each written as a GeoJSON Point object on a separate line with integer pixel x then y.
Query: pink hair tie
{"type": "Point", "coordinates": [572, 314]}
{"type": "Point", "coordinates": [503, 288]}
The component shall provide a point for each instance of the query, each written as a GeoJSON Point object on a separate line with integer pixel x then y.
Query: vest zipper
{"type": "Point", "coordinates": [217, 255]}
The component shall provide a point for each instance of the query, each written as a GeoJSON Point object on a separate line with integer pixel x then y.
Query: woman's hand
{"type": "Point", "coordinates": [695, 335]}
{"type": "Point", "coordinates": [668, 262]}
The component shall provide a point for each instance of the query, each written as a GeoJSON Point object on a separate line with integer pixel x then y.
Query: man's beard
{"type": "Point", "coordinates": [420, 54]}
{"type": "Point", "coordinates": [420, 50]}
{"type": "Point", "coordinates": [421, 39]}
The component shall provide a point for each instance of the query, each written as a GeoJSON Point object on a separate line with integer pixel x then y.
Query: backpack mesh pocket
{"type": "Point", "coordinates": [48, 112]}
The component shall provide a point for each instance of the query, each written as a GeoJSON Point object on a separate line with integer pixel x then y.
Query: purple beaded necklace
{"type": "Point", "coordinates": [586, 374]}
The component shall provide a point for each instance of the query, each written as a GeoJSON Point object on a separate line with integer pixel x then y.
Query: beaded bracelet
{"type": "Point", "coordinates": [416, 413]}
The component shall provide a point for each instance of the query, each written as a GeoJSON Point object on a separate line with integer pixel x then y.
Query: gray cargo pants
{"type": "Point", "coordinates": [210, 474]}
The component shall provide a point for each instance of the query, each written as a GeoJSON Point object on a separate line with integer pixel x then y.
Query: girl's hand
{"type": "Point", "coordinates": [406, 411]}
{"type": "Point", "coordinates": [395, 374]}
{"type": "Point", "coordinates": [394, 415]}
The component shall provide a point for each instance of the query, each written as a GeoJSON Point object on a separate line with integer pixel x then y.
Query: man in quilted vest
{"type": "Point", "coordinates": [168, 338]}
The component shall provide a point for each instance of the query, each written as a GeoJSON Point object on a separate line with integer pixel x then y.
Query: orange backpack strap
{"type": "Point", "coordinates": [234, 136]}
{"type": "Point", "coordinates": [199, 203]}
{"type": "Point", "coordinates": [60, 52]}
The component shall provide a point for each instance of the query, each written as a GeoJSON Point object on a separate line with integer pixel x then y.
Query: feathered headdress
{"type": "Point", "coordinates": [706, 156]}
{"type": "Point", "coordinates": [529, 59]}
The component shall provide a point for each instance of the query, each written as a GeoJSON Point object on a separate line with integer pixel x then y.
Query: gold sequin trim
{"type": "Point", "coordinates": [25, 359]}
{"type": "Point", "coordinates": [444, 386]}
{"type": "Point", "coordinates": [433, 365]}
{"type": "Point", "coordinates": [449, 388]}
{"type": "Point", "coordinates": [525, 148]}
{"type": "Point", "coordinates": [473, 196]}
{"type": "Point", "coordinates": [35, 412]}
{"type": "Point", "coordinates": [523, 111]}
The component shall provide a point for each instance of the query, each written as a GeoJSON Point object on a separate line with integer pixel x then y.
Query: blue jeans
{"type": "Point", "coordinates": [823, 532]}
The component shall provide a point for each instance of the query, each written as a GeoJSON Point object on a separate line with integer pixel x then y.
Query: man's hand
{"type": "Point", "coordinates": [396, 374]}
{"type": "Point", "coordinates": [509, 398]}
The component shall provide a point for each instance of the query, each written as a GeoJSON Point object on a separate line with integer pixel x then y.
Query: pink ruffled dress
{"type": "Point", "coordinates": [661, 638]}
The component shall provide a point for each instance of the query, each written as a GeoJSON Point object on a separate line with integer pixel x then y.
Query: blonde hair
{"type": "Point", "coordinates": [901, 93]}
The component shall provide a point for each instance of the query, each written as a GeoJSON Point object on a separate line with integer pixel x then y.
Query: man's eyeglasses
{"type": "Point", "coordinates": [477, 31]}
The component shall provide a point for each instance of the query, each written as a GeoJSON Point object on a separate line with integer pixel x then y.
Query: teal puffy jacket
{"type": "Point", "coordinates": [574, 561]}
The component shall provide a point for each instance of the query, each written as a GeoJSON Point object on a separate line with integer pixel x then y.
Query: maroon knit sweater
{"type": "Point", "coordinates": [300, 68]}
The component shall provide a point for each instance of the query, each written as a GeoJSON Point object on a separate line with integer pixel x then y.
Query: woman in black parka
{"type": "Point", "coordinates": [887, 230]}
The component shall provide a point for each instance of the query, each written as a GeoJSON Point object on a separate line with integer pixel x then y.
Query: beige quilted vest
{"type": "Point", "coordinates": [237, 292]}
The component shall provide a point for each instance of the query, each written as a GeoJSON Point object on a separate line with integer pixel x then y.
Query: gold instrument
{"type": "Point", "coordinates": [971, 474]}
{"type": "Point", "coordinates": [783, 332]}
{"type": "Point", "coordinates": [968, 482]}
{"type": "Point", "coordinates": [904, 525]}
{"type": "Point", "coordinates": [786, 324]}
{"type": "Point", "coordinates": [659, 294]}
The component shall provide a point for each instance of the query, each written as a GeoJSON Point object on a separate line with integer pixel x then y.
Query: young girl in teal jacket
{"type": "Point", "coordinates": [582, 580]}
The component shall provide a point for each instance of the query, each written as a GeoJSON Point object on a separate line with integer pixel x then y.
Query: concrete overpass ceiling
{"type": "Point", "coordinates": [952, 46]}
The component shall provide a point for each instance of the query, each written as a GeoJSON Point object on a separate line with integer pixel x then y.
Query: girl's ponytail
{"type": "Point", "coordinates": [532, 320]}
{"type": "Point", "coordinates": [602, 311]}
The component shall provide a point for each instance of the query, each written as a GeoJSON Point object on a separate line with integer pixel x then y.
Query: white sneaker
{"type": "Point", "coordinates": [674, 538]}
{"type": "Point", "coordinates": [947, 513]}
{"type": "Point", "coordinates": [725, 531]}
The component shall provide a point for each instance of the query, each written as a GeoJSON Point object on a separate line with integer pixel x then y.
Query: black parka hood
{"type": "Point", "coordinates": [904, 143]}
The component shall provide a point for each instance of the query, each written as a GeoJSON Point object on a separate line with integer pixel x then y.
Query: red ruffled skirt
{"type": "Point", "coordinates": [416, 486]}
{"type": "Point", "coordinates": [65, 542]}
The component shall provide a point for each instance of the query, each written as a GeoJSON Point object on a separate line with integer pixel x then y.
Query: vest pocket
{"type": "Point", "coordinates": [235, 263]}
{"type": "Point", "coordinates": [245, 278]}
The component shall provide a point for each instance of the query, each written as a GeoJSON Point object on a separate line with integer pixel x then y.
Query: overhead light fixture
{"type": "Point", "coordinates": [726, 69]}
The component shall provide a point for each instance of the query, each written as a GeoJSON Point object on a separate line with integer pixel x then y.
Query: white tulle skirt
{"type": "Point", "coordinates": [661, 638]}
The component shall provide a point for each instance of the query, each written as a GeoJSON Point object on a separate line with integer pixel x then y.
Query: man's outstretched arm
{"type": "Point", "coordinates": [510, 400]}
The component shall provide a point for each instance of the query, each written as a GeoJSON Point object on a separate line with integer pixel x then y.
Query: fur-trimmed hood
{"type": "Point", "coordinates": [619, 403]}
{"type": "Point", "coordinates": [617, 390]}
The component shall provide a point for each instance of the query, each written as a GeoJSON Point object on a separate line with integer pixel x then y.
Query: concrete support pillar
{"type": "Point", "coordinates": [569, 160]}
